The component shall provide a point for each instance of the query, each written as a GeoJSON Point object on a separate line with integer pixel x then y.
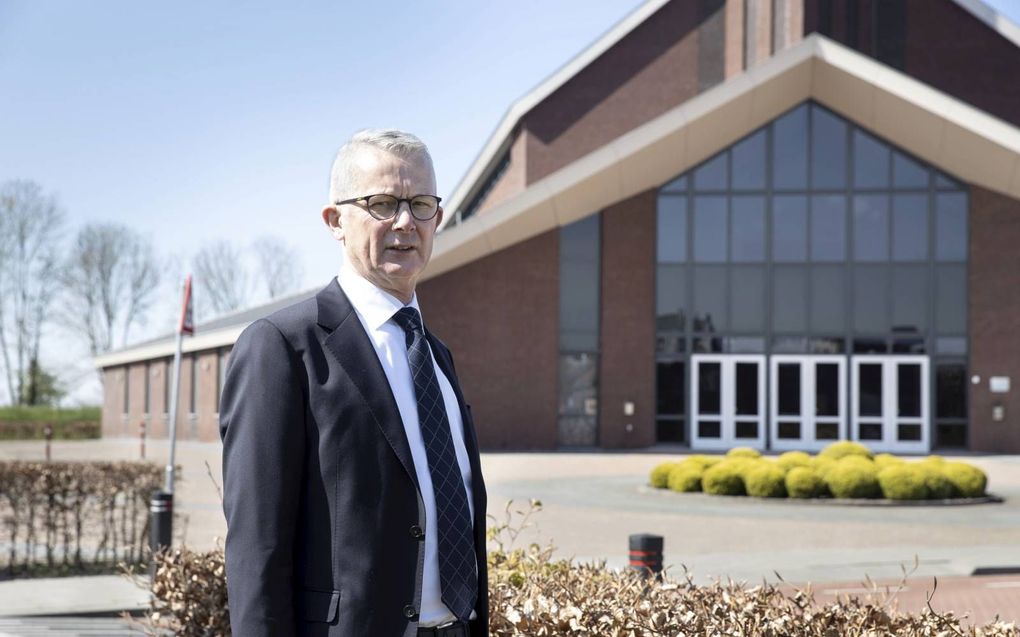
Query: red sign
{"type": "Point", "coordinates": [187, 324]}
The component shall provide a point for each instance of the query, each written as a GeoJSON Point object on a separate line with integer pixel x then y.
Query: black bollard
{"type": "Point", "coordinates": [646, 554]}
{"type": "Point", "coordinates": [161, 519]}
{"type": "Point", "coordinates": [48, 433]}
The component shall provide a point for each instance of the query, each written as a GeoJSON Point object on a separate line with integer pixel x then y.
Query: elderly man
{"type": "Point", "coordinates": [352, 486]}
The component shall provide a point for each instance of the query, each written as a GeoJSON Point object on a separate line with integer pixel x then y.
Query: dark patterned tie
{"type": "Point", "coordinates": [457, 576]}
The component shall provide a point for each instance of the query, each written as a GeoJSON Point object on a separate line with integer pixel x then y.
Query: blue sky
{"type": "Point", "coordinates": [194, 121]}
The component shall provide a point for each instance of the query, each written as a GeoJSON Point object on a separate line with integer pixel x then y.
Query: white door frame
{"type": "Point", "coordinates": [808, 417]}
{"type": "Point", "coordinates": [727, 402]}
{"type": "Point", "coordinates": [889, 418]}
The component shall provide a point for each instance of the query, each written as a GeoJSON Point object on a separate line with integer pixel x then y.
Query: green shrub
{"type": "Point", "coordinates": [969, 481]}
{"type": "Point", "coordinates": [884, 460]}
{"type": "Point", "coordinates": [684, 479]}
{"type": "Point", "coordinates": [743, 452]}
{"type": "Point", "coordinates": [903, 482]}
{"type": "Point", "coordinates": [822, 465]}
{"type": "Point", "coordinates": [845, 448]}
{"type": "Point", "coordinates": [701, 461]}
{"type": "Point", "coordinates": [804, 482]}
{"type": "Point", "coordinates": [660, 474]}
{"type": "Point", "coordinates": [939, 486]}
{"type": "Point", "coordinates": [792, 459]}
{"type": "Point", "coordinates": [724, 478]}
{"type": "Point", "coordinates": [934, 459]}
{"type": "Point", "coordinates": [852, 478]}
{"type": "Point", "coordinates": [765, 480]}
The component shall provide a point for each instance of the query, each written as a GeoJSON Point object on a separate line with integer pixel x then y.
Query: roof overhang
{"type": "Point", "coordinates": [161, 349]}
{"type": "Point", "coordinates": [940, 129]}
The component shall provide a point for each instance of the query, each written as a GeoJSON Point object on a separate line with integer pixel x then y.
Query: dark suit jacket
{"type": "Point", "coordinates": [322, 502]}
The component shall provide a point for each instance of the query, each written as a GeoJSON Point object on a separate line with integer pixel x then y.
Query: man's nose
{"type": "Point", "coordinates": [403, 219]}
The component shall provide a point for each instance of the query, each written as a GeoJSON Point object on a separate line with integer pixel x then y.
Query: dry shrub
{"type": "Point", "coordinates": [533, 595]}
{"type": "Point", "coordinates": [62, 518]}
{"type": "Point", "coordinates": [189, 595]}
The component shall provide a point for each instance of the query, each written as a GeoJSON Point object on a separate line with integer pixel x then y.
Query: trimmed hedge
{"type": "Point", "coordinates": [844, 448]}
{"type": "Point", "coordinates": [765, 480]}
{"type": "Point", "coordinates": [969, 481]}
{"type": "Point", "coordinates": [842, 470]}
{"type": "Point", "coordinates": [29, 423]}
{"type": "Point", "coordinates": [724, 478]}
{"type": "Point", "coordinates": [804, 482]}
{"type": "Point", "coordinates": [685, 479]}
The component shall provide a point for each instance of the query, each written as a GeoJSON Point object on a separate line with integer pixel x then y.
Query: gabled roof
{"type": "Point", "coordinates": [502, 137]}
{"type": "Point", "coordinates": [936, 127]}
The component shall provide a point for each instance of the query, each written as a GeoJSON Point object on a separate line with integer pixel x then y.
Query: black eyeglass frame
{"type": "Point", "coordinates": [396, 210]}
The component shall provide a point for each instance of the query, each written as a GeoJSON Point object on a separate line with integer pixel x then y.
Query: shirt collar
{"type": "Point", "coordinates": [375, 305]}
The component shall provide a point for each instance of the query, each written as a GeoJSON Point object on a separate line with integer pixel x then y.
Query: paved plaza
{"type": "Point", "coordinates": [593, 501]}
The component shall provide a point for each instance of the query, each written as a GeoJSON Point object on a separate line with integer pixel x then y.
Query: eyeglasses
{"type": "Point", "coordinates": [384, 207]}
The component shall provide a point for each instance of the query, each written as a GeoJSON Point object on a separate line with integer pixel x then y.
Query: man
{"type": "Point", "coordinates": [352, 486]}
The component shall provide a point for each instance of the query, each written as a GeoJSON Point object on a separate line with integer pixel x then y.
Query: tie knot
{"type": "Point", "coordinates": [408, 319]}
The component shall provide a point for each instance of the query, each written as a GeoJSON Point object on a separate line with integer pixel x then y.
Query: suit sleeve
{"type": "Point", "coordinates": [262, 427]}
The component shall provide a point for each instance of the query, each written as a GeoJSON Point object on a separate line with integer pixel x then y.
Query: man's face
{"type": "Point", "coordinates": [390, 253]}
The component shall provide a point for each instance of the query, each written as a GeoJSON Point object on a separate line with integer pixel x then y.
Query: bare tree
{"type": "Point", "coordinates": [279, 265]}
{"type": "Point", "coordinates": [221, 277]}
{"type": "Point", "coordinates": [109, 279]}
{"type": "Point", "coordinates": [29, 269]}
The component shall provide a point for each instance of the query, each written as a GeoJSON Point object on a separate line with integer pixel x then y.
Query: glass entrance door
{"type": "Point", "coordinates": [890, 403]}
{"type": "Point", "coordinates": [807, 398]}
{"type": "Point", "coordinates": [727, 401]}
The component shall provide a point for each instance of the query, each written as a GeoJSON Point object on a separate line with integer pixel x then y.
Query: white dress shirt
{"type": "Point", "coordinates": [375, 309]}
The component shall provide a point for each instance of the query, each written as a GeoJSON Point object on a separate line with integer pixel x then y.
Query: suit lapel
{"type": "Point", "coordinates": [352, 349]}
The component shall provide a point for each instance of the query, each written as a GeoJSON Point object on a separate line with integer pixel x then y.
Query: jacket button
{"type": "Point", "coordinates": [416, 532]}
{"type": "Point", "coordinates": [410, 612]}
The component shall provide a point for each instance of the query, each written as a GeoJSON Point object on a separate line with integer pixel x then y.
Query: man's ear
{"type": "Point", "coordinates": [439, 216]}
{"type": "Point", "coordinates": [331, 217]}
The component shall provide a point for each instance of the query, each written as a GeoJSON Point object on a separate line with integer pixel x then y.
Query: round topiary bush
{"type": "Point", "coordinates": [684, 479]}
{"type": "Point", "coordinates": [903, 482]}
{"type": "Point", "coordinates": [765, 480]}
{"type": "Point", "coordinates": [969, 481]}
{"type": "Point", "coordinates": [844, 448]}
{"type": "Point", "coordinates": [822, 465]}
{"type": "Point", "coordinates": [660, 474]}
{"type": "Point", "coordinates": [884, 460]}
{"type": "Point", "coordinates": [701, 461]}
{"type": "Point", "coordinates": [939, 486]}
{"type": "Point", "coordinates": [804, 482]}
{"type": "Point", "coordinates": [792, 459]}
{"type": "Point", "coordinates": [743, 452]}
{"type": "Point", "coordinates": [853, 479]}
{"type": "Point", "coordinates": [724, 479]}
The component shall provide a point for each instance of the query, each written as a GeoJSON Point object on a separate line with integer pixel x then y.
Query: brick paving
{"type": "Point", "coordinates": [981, 598]}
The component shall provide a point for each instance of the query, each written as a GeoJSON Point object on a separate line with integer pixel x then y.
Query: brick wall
{"type": "Point", "coordinates": [499, 317]}
{"type": "Point", "coordinates": [993, 282]}
{"type": "Point", "coordinates": [627, 323]}
{"type": "Point", "coordinates": [651, 70]}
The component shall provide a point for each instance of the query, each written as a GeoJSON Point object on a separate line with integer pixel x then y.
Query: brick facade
{"type": "Point", "coordinates": [651, 70]}
{"type": "Point", "coordinates": [627, 323]}
{"type": "Point", "coordinates": [993, 316]}
{"type": "Point", "coordinates": [499, 317]}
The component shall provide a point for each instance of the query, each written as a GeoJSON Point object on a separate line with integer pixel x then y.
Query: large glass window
{"type": "Point", "coordinates": [812, 235]}
{"type": "Point", "coordinates": [579, 322]}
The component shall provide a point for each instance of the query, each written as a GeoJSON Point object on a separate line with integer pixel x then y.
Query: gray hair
{"type": "Point", "coordinates": [393, 141]}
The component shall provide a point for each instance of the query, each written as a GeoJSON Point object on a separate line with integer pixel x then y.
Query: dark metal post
{"type": "Point", "coordinates": [646, 554]}
{"type": "Point", "coordinates": [161, 519]}
{"type": "Point", "coordinates": [48, 432]}
{"type": "Point", "coordinates": [141, 435]}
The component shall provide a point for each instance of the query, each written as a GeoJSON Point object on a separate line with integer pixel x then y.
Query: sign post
{"type": "Point", "coordinates": [161, 507]}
